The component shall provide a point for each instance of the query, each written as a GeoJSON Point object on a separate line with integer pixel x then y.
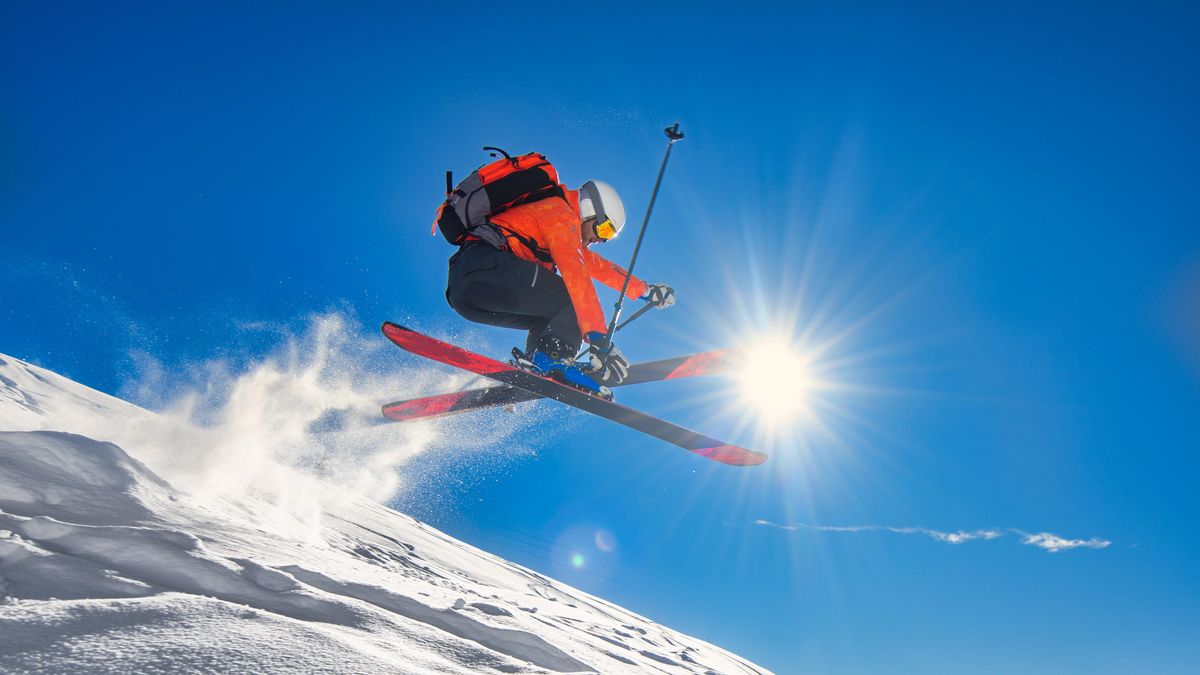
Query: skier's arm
{"type": "Point", "coordinates": [568, 253]}
{"type": "Point", "coordinates": [612, 275]}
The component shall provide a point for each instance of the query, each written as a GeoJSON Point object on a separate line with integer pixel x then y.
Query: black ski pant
{"type": "Point", "coordinates": [494, 287]}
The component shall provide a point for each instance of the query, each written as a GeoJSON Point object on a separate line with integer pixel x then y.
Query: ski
{"type": "Point", "coordinates": [440, 405]}
{"type": "Point", "coordinates": [432, 348]}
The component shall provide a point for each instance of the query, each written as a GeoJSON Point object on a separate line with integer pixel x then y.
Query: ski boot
{"type": "Point", "coordinates": [552, 359]}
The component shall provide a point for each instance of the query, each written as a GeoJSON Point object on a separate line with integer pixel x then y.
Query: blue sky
{"type": "Point", "coordinates": [979, 222]}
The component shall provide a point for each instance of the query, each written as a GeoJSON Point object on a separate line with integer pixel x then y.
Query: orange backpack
{"type": "Point", "coordinates": [492, 189]}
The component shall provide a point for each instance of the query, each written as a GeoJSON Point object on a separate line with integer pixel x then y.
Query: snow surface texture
{"type": "Point", "coordinates": [107, 567]}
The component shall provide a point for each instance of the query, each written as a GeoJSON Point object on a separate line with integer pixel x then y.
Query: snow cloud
{"type": "Point", "coordinates": [300, 425]}
{"type": "Point", "coordinates": [1044, 540]}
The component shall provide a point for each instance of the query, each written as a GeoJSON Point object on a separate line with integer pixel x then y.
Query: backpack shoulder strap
{"type": "Point", "coordinates": [539, 253]}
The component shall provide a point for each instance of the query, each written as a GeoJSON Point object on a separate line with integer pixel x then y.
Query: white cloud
{"type": "Point", "coordinates": [961, 536]}
{"type": "Point", "coordinates": [1043, 540]}
{"type": "Point", "coordinates": [1054, 543]}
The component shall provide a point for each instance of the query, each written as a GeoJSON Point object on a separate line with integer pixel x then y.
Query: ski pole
{"type": "Point", "coordinates": [673, 135]}
{"type": "Point", "coordinates": [647, 307]}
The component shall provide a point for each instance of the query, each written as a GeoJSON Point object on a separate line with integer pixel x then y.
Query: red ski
{"type": "Point", "coordinates": [440, 405]}
{"type": "Point", "coordinates": [432, 348]}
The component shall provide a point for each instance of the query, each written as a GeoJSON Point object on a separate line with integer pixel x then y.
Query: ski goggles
{"type": "Point", "coordinates": [604, 229]}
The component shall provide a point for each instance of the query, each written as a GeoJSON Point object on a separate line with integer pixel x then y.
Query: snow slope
{"type": "Point", "coordinates": [105, 566]}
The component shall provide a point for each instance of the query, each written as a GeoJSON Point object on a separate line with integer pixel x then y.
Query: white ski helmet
{"type": "Point", "coordinates": [598, 199]}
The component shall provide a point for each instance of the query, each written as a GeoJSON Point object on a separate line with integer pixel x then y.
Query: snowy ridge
{"type": "Point", "coordinates": [107, 567]}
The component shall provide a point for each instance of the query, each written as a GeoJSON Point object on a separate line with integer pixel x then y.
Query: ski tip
{"type": "Point", "coordinates": [733, 455]}
{"type": "Point", "coordinates": [422, 408]}
{"type": "Point", "coordinates": [433, 348]}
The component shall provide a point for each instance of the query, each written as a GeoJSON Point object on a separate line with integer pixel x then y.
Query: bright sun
{"type": "Point", "coordinates": [775, 382]}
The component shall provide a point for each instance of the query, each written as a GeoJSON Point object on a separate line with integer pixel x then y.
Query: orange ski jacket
{"type": "Point", "coordinates": [552, 226]}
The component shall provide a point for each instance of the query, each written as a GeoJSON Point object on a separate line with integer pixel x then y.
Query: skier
{"type": "Point", "coordinates": [510, 280]}
{"type": "Point", "coordinates": [517, 227]}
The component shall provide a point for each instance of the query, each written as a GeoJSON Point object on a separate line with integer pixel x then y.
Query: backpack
{"type": "Point", "coordinates": [492, 189]}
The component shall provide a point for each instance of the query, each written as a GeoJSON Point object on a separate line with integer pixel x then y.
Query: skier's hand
{"type": "Point", "coordinates": [661, 296]}
{"type": "Point", "coordinates": [609, 365]}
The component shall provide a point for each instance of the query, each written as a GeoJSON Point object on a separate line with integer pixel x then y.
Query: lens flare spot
{"type": "Point", "coordinates": [577, 560]}
{"type": "Point", "coordinates": [775, 381]}
{"type": "Point", "coordinates": [605, 541]}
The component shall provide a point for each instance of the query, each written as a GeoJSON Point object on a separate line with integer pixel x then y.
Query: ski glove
{"type": "Point", "coordinates": [609, 365]}
{"type": "Point", "coordinates": [661, 296]}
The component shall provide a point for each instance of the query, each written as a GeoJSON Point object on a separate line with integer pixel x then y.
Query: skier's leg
{"type": "Point", "coordinates": [563, 324]}
{"type": "Point", "coordinates": [476, 290]}
{"type": "Point", "coordinates": [497, 288]}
